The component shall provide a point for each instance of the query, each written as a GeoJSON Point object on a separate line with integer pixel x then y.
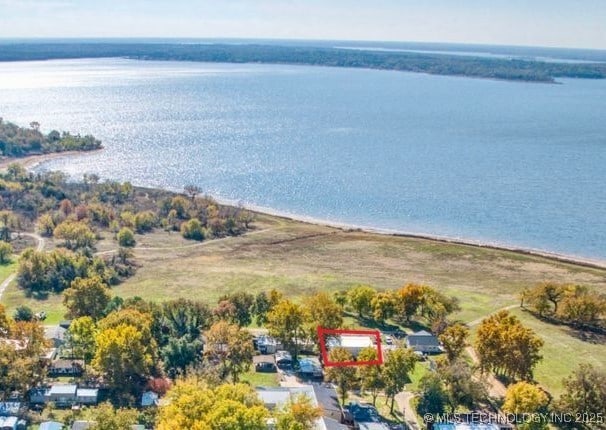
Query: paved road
{"type": "Point", "coordinates": [39, 247]}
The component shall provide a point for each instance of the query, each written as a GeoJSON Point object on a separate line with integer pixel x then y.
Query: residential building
{"type": "Point", "coordinates": [61, 394]}
{"type": "Point", "coordinates": [424, 342]}
{"type": "Point", "coordinates": [352, 343]}
{"type": "Point", "coordinates": [87, 396]}
{"type": "Point", "coordinates": [64, 367]}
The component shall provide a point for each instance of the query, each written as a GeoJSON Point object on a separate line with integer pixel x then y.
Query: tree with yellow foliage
{"type": "Point", "coordinates": [192, 405]}
{"type": "Point", "coordinates": [122, 357]}
{"type": "Point", "coordinates": [523, 399]}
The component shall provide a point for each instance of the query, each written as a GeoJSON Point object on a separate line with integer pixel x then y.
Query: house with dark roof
{"type": "Point", "coordinates": [424, 342]}
{"type": "Point", "coordinates": [363, 416]}
{"type": "Point", "coordinates": [63, 367]}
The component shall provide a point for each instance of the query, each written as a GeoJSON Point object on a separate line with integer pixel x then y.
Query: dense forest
{"type": "Point", "coordinates": [18, 141]}
{"type": "Point", "coordinates": [438, 64]}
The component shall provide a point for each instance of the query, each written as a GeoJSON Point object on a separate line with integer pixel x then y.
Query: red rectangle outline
{"type": "Point", "coordinates": [327, 363]}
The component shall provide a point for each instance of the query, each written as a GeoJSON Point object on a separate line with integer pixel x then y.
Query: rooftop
{"type": "Point", "coordinates": [350, 341]}
{"type": "Point", "coordinates": [62, 389]}
{"type": "Point", "coordinates": [87, 392]}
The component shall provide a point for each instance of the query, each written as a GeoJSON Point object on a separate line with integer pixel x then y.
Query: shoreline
{"type": "Point", "coordinates": [33, 161]}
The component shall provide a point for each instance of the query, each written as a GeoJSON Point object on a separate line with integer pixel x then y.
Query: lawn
{"type": "Point", "coordinates": [298, 258]}
{"type": "Point", "coordinates": [8, 268]}
{"type": "Point", "coordinates": [564, 350]}
{"type": "Point", "coordinates": [260, 379]}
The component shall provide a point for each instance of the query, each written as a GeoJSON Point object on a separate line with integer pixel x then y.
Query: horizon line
{"type": "Point", "coordinates": [228, 38]}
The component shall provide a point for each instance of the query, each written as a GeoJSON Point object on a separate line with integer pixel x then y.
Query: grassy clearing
{"type": "Point", "coordinates": [564, 350]}
{"type": "Point", "coordinates": [8, 268]}
{"type": "Point", "coordinates": [298, 258]}
{"type": "Point", "coordinates": [259, 379]}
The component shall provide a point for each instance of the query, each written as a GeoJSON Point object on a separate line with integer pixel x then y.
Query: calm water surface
{"type": "Point", "coordinates": [507, 163]}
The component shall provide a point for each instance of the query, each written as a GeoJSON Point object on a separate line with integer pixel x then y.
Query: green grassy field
{"type": "Point", "coordinates": [260, 379]}
{"type": "Point", "coordinates": [298, 258]}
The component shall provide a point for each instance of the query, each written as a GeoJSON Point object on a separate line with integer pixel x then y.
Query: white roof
{"type": "Point", "coordinates": [10, 422]}
{"type": "Point", "coordinates": [277, 397]}
{"type": "Point", "coordinates": [62, 389]}
{"type": "Point", "coordinates": [87, 392]}
{"type": "Point", "coordinates": [356, 341]}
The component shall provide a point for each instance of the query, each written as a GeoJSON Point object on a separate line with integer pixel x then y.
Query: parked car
{"type": "Point", "coordinates": [266, 367]}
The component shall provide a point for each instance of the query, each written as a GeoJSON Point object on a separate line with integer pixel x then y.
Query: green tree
{"type": "Point", "coordinates": [230, 347]}
{"type": "Point", "coordinates": [81, 338]}
{"type": "Point", "coordinates": [371, 377]}
{"type": "Point", "coordinates": [584, 392]}
{"type": "Point", "coordinates": [398, 364]}
{"type": "Point", "coordinates": [46, 225]}
{"type": "Point", "coordinates": [433, 397]}
{"type": "Point", "coordinates": [243, 303]}
{"type": "Point", "coordinates": [106, 417]}
{"type": "Point", "coordinates": [6, 251]}
{"type": "Point", "coordinates": [145, 221]}
{"type": "Point", "coordinates": [181, 354]}
{"type": "Point", "coordinates": [462, 385]}
{"type": "Point", "coordinates": [286, 322]}
{"type": "Point", "coordinates": [75, 235]}
{"type": "Point", "coordinates": [360, 299]}
{"type": "Point", "coordinates": [192, 229]}
{"type": "Point", "coordinates": [321, 310]}
{"type": "Point", "coordinates": [86, 297]}
{"type": "Point", "coordinates": [126, 237]}
{"type": "Point", "coordinates": [8, 222]}
{"type": "Point", "coordinates": [23, 313]}
{"type": "Point", "coordinates": [454, 340]}
{"type": "Point", "coordinates": [344, 377]}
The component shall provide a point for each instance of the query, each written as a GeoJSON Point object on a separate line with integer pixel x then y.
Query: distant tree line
{"type": "Point", "coordinates": [437, 64]}
{"type": "Point", "coordinates": [18, 141]}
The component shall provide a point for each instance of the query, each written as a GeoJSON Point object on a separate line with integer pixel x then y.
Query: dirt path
{"type": "Point", "coordinates": [403, 400]}
{"type": "Point", "coordinates": [479, 320]}
{"type": "Point", "coordinates": [39, 247]}
{"type": "Point", "coordinates": [195, 245]}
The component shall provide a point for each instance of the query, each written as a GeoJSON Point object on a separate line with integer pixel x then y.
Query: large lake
{"type": "Point", "coordinates": [506, 163]}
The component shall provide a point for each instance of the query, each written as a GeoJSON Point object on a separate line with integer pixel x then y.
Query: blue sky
{"type": "Point", "coordinates": [559, 23]}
